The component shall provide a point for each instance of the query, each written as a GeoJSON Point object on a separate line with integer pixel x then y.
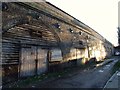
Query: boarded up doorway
{"type": "Point", "coordinates": [33, 61]}
{"type": "Point", "coordinates": [42, 60]}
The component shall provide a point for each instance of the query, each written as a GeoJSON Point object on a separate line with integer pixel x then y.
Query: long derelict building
{"type": "Point", "coordinates": [36, 36]}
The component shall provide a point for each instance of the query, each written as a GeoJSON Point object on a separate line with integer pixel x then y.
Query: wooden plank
{"type": "Point", "coordinates": [37, 41]}
{"type": "Point", "coordinates": [10, 52]}
{"type": "Point", "coordinates": [56, 55]}
{"type": "Point", "coordinates": [32, 63]}
{"type": "Point", "coordinates": [42, 60]}
{"type": "Point", "coordinates": [27, 62]}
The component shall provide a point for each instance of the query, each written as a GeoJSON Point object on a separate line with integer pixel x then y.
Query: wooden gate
{"type": "Point", "coordinates": [42, 60]}
{"type": "Point", "coordinates": [28, 61]}
{"type": "Point", "coordinates": [33, 61]}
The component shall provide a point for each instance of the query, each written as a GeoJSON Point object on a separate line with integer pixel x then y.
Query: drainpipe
{"type": "Point", "coordinates": [36, 62]}
{"type": "Point", "coordinates": [48, 59]}
{"type": "Point", "coordinates": [88, 50]}
{"type": "Point", "coordinates": [76, 57]}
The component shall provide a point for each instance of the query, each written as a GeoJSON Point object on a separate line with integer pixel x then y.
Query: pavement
{"type": "Point", "coordinates": [114, 81]}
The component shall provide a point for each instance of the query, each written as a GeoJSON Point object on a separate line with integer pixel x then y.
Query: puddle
{"type": "Point", "coordinates": [100, 71]}
{"type": "Point", "coordinates": [107, 65]}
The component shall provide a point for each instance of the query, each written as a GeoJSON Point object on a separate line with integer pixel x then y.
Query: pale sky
{"type": "Point", "coordinates": [101, 15]}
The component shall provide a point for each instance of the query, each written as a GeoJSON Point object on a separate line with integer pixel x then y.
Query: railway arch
{"type": "Point", "coordinates": [36, 36]}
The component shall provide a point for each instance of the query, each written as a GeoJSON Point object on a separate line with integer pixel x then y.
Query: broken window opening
{"type": "Point", "coordinates": [57, 25]}
{"type": "Point", "coordinates": [70, 30]}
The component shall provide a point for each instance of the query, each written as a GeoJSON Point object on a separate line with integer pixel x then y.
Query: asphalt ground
{"type": "Point", "coordinates": [95, 77]}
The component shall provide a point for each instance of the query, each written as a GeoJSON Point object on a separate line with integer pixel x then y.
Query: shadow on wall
{"type": "Point", "coordinates": [108, 50]}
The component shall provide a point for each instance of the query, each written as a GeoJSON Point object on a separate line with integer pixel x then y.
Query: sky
{"type": "Point", "coordinates": [100, 15]}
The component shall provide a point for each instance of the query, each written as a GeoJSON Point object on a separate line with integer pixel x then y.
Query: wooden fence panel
{"type": "Point", "coordinates": [27, 62]}
{"type": "Point", "coordinates": [42, 60]}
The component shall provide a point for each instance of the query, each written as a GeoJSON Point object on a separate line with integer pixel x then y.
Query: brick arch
{"type": "Point", "coordinates": [8, 24]}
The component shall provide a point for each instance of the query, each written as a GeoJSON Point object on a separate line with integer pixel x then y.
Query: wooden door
{"type": "Point", "coordinates": [28, 56]}
{"type": "Point", "coordinates": [42, 60]}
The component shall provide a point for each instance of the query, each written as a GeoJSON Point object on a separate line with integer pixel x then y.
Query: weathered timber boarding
{"type": "Point", "coordinates": [10, 60]}
{"type": "Point", "coordinates": [28, 56]}
{"type": "Point", "coordinates": [42, 60]}
{"type": "Point", "coordinates": [33, 61]}
{"type": "Point", "coordinates": [38, 37]}
{"type": "Point", "coordinates": [56, 55]}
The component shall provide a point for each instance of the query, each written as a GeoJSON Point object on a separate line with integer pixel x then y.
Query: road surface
{"type": "Point", "coordinates": [92, 78]}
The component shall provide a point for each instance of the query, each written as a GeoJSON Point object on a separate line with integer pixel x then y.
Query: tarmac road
{"type": "Point", "coordinates": [92, 78]}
